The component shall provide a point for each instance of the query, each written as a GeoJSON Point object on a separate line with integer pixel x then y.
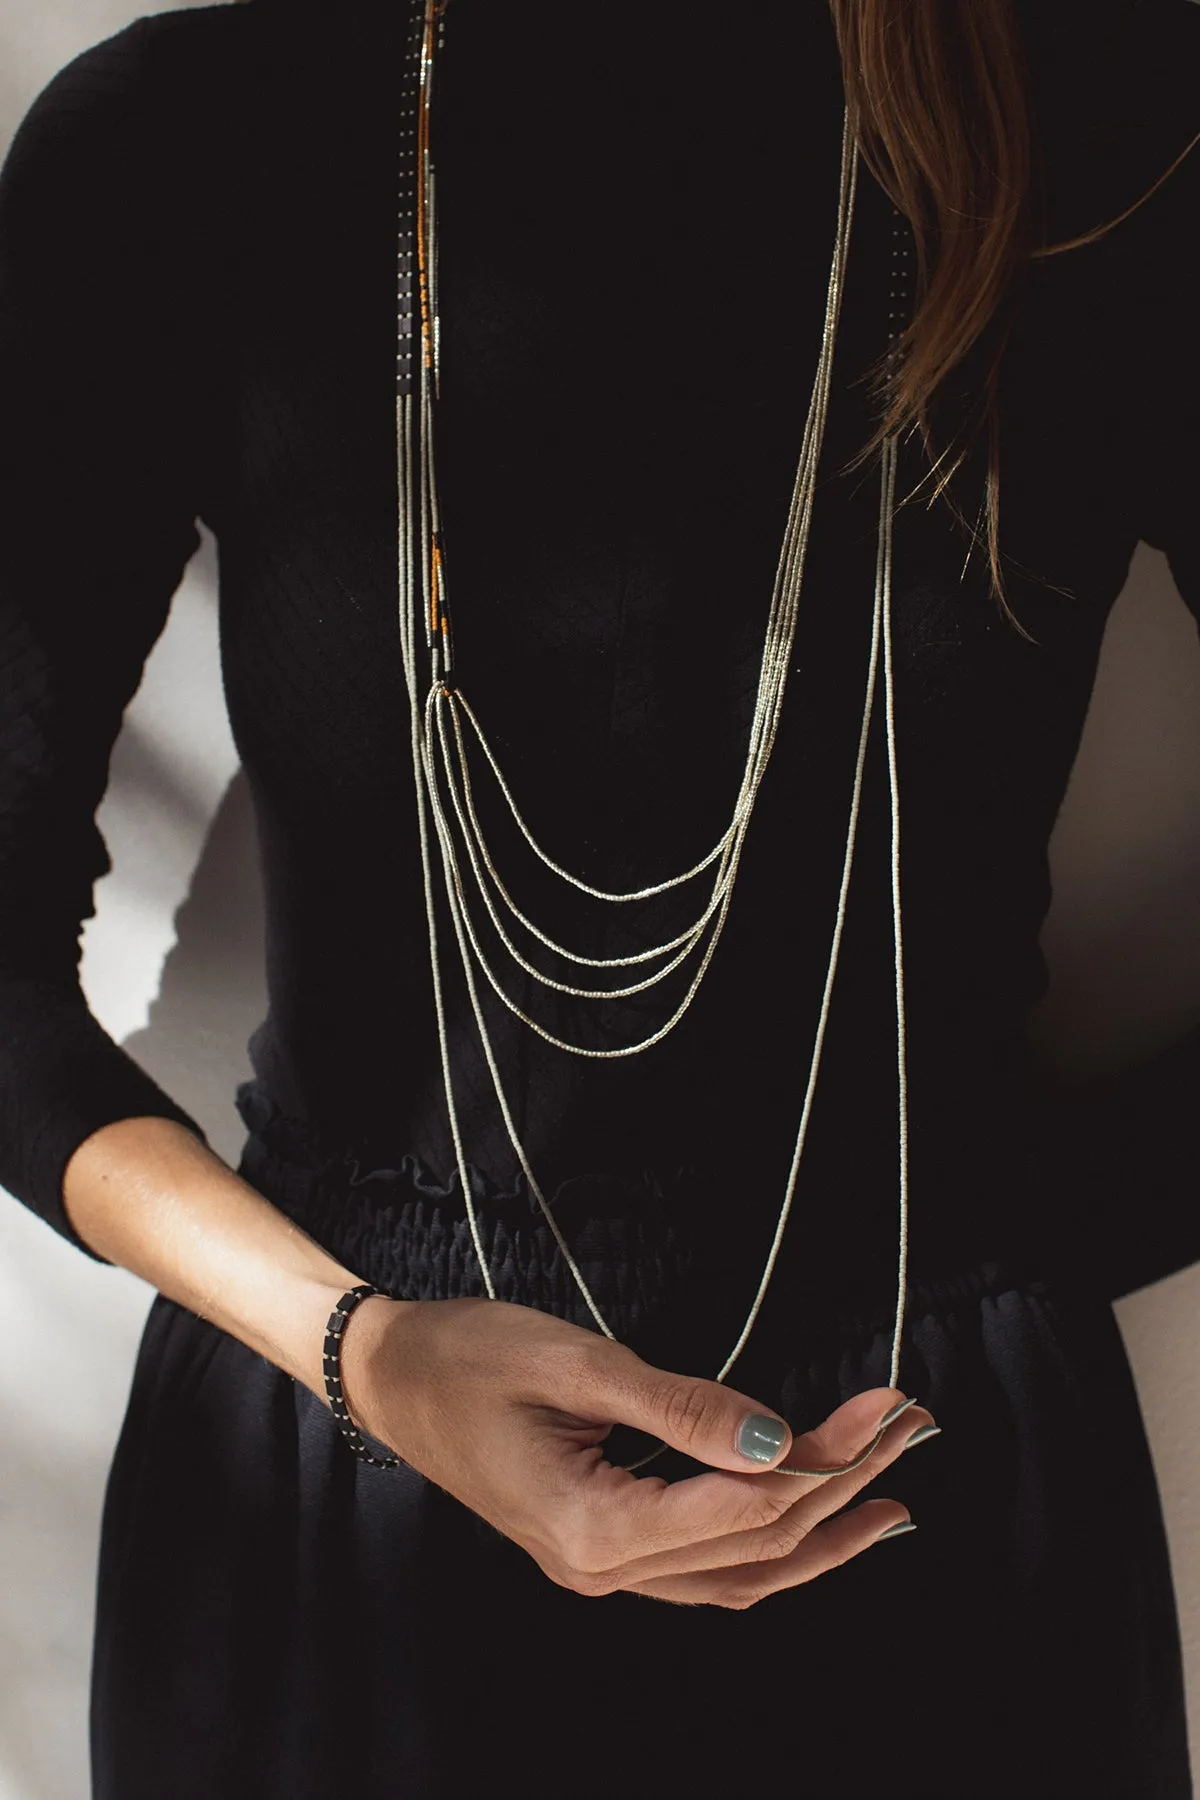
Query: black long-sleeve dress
{"type": "Point", "coordinates": [197, 320]}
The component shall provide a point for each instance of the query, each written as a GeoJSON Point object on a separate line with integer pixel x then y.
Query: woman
{"type": "Point", "coordinates": [634, 219]}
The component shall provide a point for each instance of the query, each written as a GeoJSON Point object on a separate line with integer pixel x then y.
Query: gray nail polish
{"type": "Point", "coordinates": [889, 1418]}
{"type": "Point", "coordinates": [920, 1434]}
{"type": "Point", "coordinates": [761, 1438]}
{"type": "Point", "coordinates": [896, 1530]}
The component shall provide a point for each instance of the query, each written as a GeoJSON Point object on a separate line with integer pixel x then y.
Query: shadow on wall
{"type": "Point", "coordinates": [213, 989]}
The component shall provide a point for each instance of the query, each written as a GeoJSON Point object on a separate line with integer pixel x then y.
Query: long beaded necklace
{"type": "Point", "coordinates": [447, 738]}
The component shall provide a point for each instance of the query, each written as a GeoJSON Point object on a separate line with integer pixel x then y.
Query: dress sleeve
{"type": "Point", "coordinates": [1132, 1141]}
{"type": "Point", "coordinates": [1167, 400]}
{"type": "Point", "coordinates": [99, 460]}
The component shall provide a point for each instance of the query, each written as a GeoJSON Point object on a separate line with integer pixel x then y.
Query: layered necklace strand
{"type": "Point", "coordinates": [446, 737]}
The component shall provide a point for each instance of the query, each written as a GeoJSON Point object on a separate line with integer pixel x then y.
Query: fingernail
{"type": "Point", "coordinates": [920, 1434]}
{"type": "Point", "coordinates": [896, 1530]}
{"type": "Point", "coordinates": [889, 1418]}
{"type": "Point", "coordinates": [761, 1438]}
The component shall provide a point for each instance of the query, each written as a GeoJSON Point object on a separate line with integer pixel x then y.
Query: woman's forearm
{"type": "Point", "coordinates": [148, 1195]}
{"type": "Point", "coordinates": [504, 1407]}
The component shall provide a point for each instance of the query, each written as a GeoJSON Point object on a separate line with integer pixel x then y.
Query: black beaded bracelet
{"type": "Point", "coordinates": [333, 1376]}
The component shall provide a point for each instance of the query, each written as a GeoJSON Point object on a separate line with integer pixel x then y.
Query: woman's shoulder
{"type": "Point", "coordinates": [162, 67]}
{"type": "Point", "coordinates": [133, 121]}
{"type": "Point", "coordinates": [188, 47]}
{"type": "Point", "coordinates": [1116, 91]}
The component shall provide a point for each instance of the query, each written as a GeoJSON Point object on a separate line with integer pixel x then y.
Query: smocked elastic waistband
{"type": "Point", "coordinates": [653, 1264]}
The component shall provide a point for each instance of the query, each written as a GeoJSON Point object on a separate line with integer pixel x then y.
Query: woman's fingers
{"type": "Point", "coordinates": [649, 1519]}
{"type": "Point", "coordinates": [779, 1535]}
{"type": "Point", "coordinates": [828, 1546]}
{"type": "Point", "coordinates": [836, 1444]}
{"type": "Point", "coordinates": [708, 1421]}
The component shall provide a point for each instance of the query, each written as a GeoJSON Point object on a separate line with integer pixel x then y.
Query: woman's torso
{"type": "Point", "coordinates": [636, 220]}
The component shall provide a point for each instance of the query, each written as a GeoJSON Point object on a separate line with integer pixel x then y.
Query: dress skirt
{"type": "Point", "coordinates": [278, 1621]}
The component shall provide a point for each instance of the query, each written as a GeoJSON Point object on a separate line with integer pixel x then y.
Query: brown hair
{"type": "Point", "coordinates": [940, 108]}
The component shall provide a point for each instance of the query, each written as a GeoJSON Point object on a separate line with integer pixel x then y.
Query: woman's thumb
{"type": "Point", "coordinates": [712, 1423]}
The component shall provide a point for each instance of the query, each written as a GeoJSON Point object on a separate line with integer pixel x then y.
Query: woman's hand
{"type": "Point", "coordinates": [505, 1408]}
{"type": "Point", "coordinates": [508, 1409]}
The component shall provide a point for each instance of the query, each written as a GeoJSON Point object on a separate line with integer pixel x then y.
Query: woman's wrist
{"type": "Point", "coordinates": [149, 1196]}
{"type": "Point", "coordinates": [293, 1327]}
{"type": "Point", "coordinates": [363, 1359]}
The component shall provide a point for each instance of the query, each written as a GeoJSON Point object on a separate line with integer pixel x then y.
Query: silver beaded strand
{"type": "Point", "coordinates": [443, 726]}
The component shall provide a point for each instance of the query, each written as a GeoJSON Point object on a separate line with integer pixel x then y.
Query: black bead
{"type": "Point", "coordinates": [333, 1377]}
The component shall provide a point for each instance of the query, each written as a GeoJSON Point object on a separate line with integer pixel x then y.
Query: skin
{"type": "Point", "coordinates": [503, 1407]}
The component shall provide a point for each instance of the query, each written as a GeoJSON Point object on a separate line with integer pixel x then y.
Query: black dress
{"type": "Point", "coordinates": [197, 301]}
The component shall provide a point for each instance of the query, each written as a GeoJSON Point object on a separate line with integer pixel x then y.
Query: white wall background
{"type": "Point", "coordinates": [172, 966]}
